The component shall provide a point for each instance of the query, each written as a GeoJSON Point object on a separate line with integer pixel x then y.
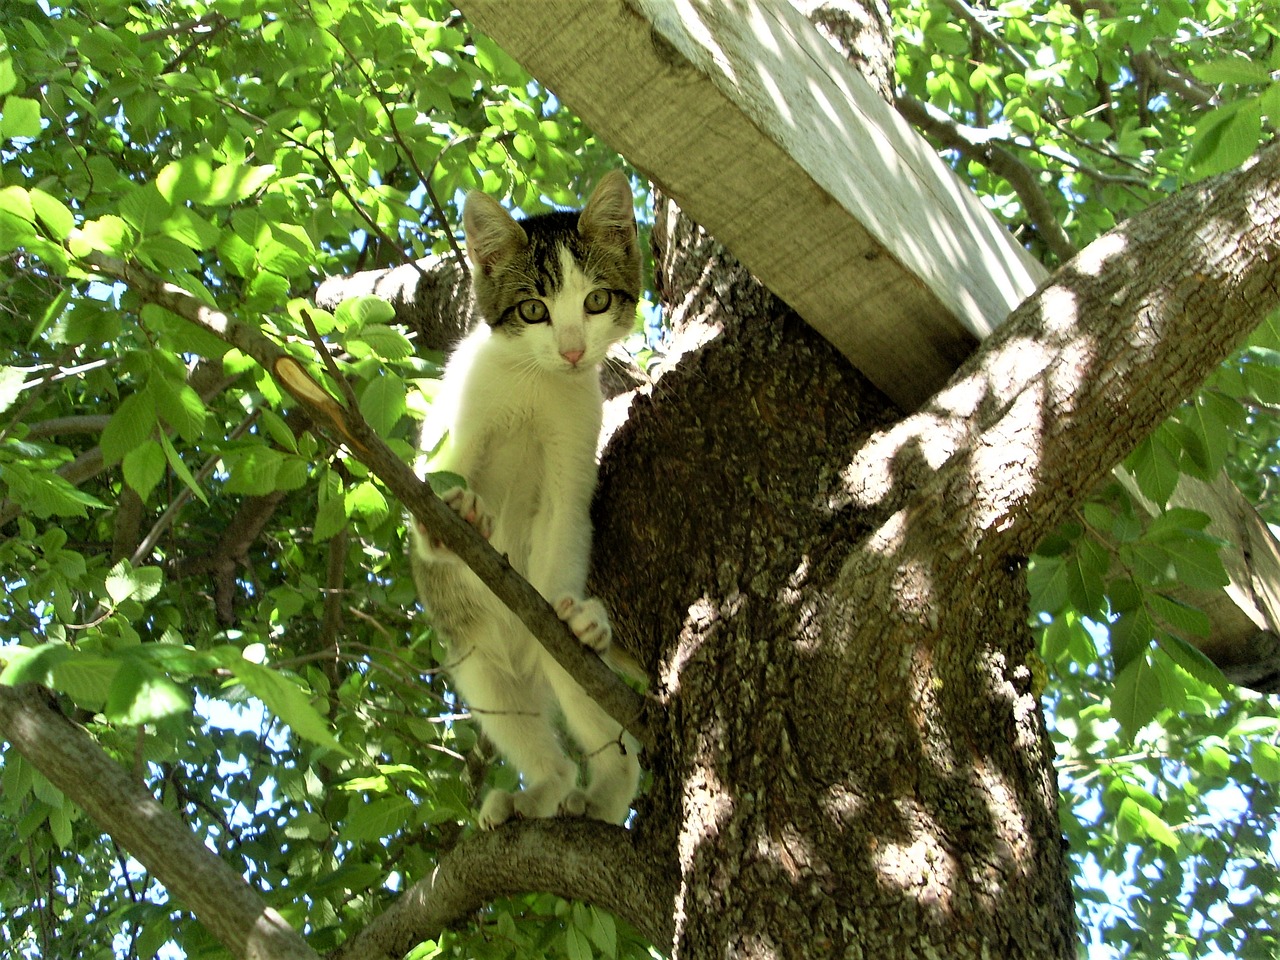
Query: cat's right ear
{"type": "Point", "coordinates": [492, 233]}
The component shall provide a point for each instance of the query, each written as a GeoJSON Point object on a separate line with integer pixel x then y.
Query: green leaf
{"type": "Point", "coordinates": [1155, 467]}
{"type": "Point", "coordinates": [187, 179]}
{"type": "Point", "coordinates": [1265, 760]}
{"type": "Point", "coordinates": [380, 341]}
{"type": "Point", "coordinates": [145, 210]}
{"type": "Point", "coordinates": [1135, 699]}
{"type": "Point", "coordinates": [130, 426]}
{"type": "Point", "coordinates": [191, 229]}
{"type": "Point", "coordinates": [355, 312]}
{"type": "Point", "coordinates": [443, 481]}
{"type": "Point", "coordinates": [1131, 635]}
{"type": "Point", "coordinates": [286, 699]}
{"type": "Point", "coordinates": [1233, 69]}
{"type": "Point", "coordinates": [20, 119]}
{"type": "Point", "coordinates": [8, 76]}
{"type": "Point", "coordinates": [124, 582]}
{"type": "Point", "coordinates": [372, 821]}
{"type": "Point", "coordinates": [1048, 578]}
{"type": "Point", "coordinates": [366, 500]}
{"type": "Point", "coordinates": [60, 826]}
{"type": "Point", "coordinates": [1136, 823]}
{"type": "Point", "coordinates": [43, 493]}
{"type": "Point", "coordinates": [576, 944]}
{"type": "Point", "coordinates": [604, 932]}
{"type": "Point", "coordinates": [58, 220]}
{"type": "Point", "coordinates": [1254, 727]}
{"type": "Point", "coordinates": [1226, 137]}
{"type": "Point", "coordinates": [34, 664]}
{"type": "Point", "coordinates": [253, 470]}
{"type": "Point", "coordinates": [141, 694]}
{"type": "Point", "coordinates": [232, 184]}
{"type": "Point", "coordinates": [382, 403]}
{"type": "Point", "coordinates": [11, 380]}
{"type": "Point", "coordinates": [181, 470]}
{"type": "Point", "coordinates": [108, 234]}
{"type": "Point", "coordinates": [307, 826]}
{"type": "Point", "coordinates": [1198, 563]}
{"type": "Point", "coordinates": [330, 517]}
{"type": "Point", "coordinates": [1178, 616]}
{"type": "Point", "coordinates": [86, 678]}
{"type": "Point", "coordinates": [144, 467]}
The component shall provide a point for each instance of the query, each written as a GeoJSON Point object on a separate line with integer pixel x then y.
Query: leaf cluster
{"type": "Point", "coordinates": [210, 584]}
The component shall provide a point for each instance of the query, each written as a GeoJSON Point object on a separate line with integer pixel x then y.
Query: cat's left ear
{"type": "Point", "coordinates": [608, 215]}
{"type": "Point", "coordinates": [492, 233]}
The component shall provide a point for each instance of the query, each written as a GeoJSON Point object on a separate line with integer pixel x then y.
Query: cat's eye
{"type": "Point", "coordinates": [597, 301]}
{"type": "Point", "coordinates": [532, 311]}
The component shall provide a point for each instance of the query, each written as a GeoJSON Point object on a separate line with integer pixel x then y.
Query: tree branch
{"type": "Point", "coordinates": [981, 145]}
{"type": "Point", "coordinates": [81, 769]}
{"type": "Point", "coordinates": [577, 859]}
{"type": "Point", "coordinates": [1088, 366]}
{"type": "Point", "coordinates": [617, 699]}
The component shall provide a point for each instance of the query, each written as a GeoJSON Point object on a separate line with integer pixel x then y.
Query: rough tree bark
{"type": "Point", "coordinates": [845, 775]}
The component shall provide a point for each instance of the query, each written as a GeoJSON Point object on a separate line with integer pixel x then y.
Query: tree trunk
{"type": "Point", "coordinates": [841, 779]}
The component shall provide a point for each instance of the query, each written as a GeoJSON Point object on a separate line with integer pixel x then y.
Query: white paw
{"type": "Point", "coordinates": [574, 804]}
{"type": "Point", "coordinates": [497, 809]}
{"type": "Point", "coordinates": [588, 621]}
{"type": "Point", "coordinates": [468, 505]}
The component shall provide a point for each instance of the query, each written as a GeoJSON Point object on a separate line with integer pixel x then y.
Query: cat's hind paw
{"type": "Point", "coordinates": [498, 807]}
{"type": "Point", "coordinates": [574, 804]}
{"type": "Point", "coordinates": [588, 621]}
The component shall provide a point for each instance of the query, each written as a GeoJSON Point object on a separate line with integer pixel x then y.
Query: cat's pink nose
{"type": "Point", "coordinates": [573, 356]}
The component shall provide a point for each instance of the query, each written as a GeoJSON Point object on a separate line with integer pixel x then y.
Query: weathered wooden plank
{"type": "Point", "coordinates": [764, 135]}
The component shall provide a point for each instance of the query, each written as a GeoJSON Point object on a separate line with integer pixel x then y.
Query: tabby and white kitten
{"type": "Point", "coordinates": [521, 407]}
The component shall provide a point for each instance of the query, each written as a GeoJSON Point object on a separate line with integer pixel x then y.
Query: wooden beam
{"type": "Point", "coordinates": [763, 134]}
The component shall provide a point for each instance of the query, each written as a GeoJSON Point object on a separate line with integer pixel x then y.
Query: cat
{"type": "Point", "coordinates": [518, 417]}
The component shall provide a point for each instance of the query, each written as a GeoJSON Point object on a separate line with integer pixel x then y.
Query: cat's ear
{"type": "Point", "coordinates": [608, 215]}
{"type": "Point", "coordinates": [492, 233]}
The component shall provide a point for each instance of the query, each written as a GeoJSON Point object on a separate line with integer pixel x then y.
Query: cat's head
{"type": "Point", "coordinates": [557, 288]}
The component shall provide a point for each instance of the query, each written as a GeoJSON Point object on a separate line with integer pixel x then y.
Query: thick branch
{"type": "Point", "coordinates": [615, 697]}
{"type": "Point", "coordinates": [77, 766]}
{"type": "Point", "coordinates": [582, 860]}
{"type": "Point", "coordinates": [1091, 364]}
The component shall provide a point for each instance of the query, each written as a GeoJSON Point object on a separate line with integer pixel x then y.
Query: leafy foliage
{"type": "Point", "coordinates": [177, 535]}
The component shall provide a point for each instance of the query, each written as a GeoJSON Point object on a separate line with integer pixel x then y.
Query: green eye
{"type": "Point", "coordinates": [597, 301]}
{"type": "Point", "coordinates": [532, 311]}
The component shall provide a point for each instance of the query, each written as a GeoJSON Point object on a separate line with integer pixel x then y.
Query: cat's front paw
{"type": "Point", "coordinates": [588, 621]}
{"type": "Point", "coordinates": [468, 505]}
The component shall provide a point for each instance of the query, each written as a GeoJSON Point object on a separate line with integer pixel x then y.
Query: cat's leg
{"type": "Point", "coordinates": [588, 621]}
{"type": "Point", "coordinates": [517, 715]}
{"type": "Point", "coordinates": [613, 764]}
{"type": "Point", "coordinates": [612, 755]}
